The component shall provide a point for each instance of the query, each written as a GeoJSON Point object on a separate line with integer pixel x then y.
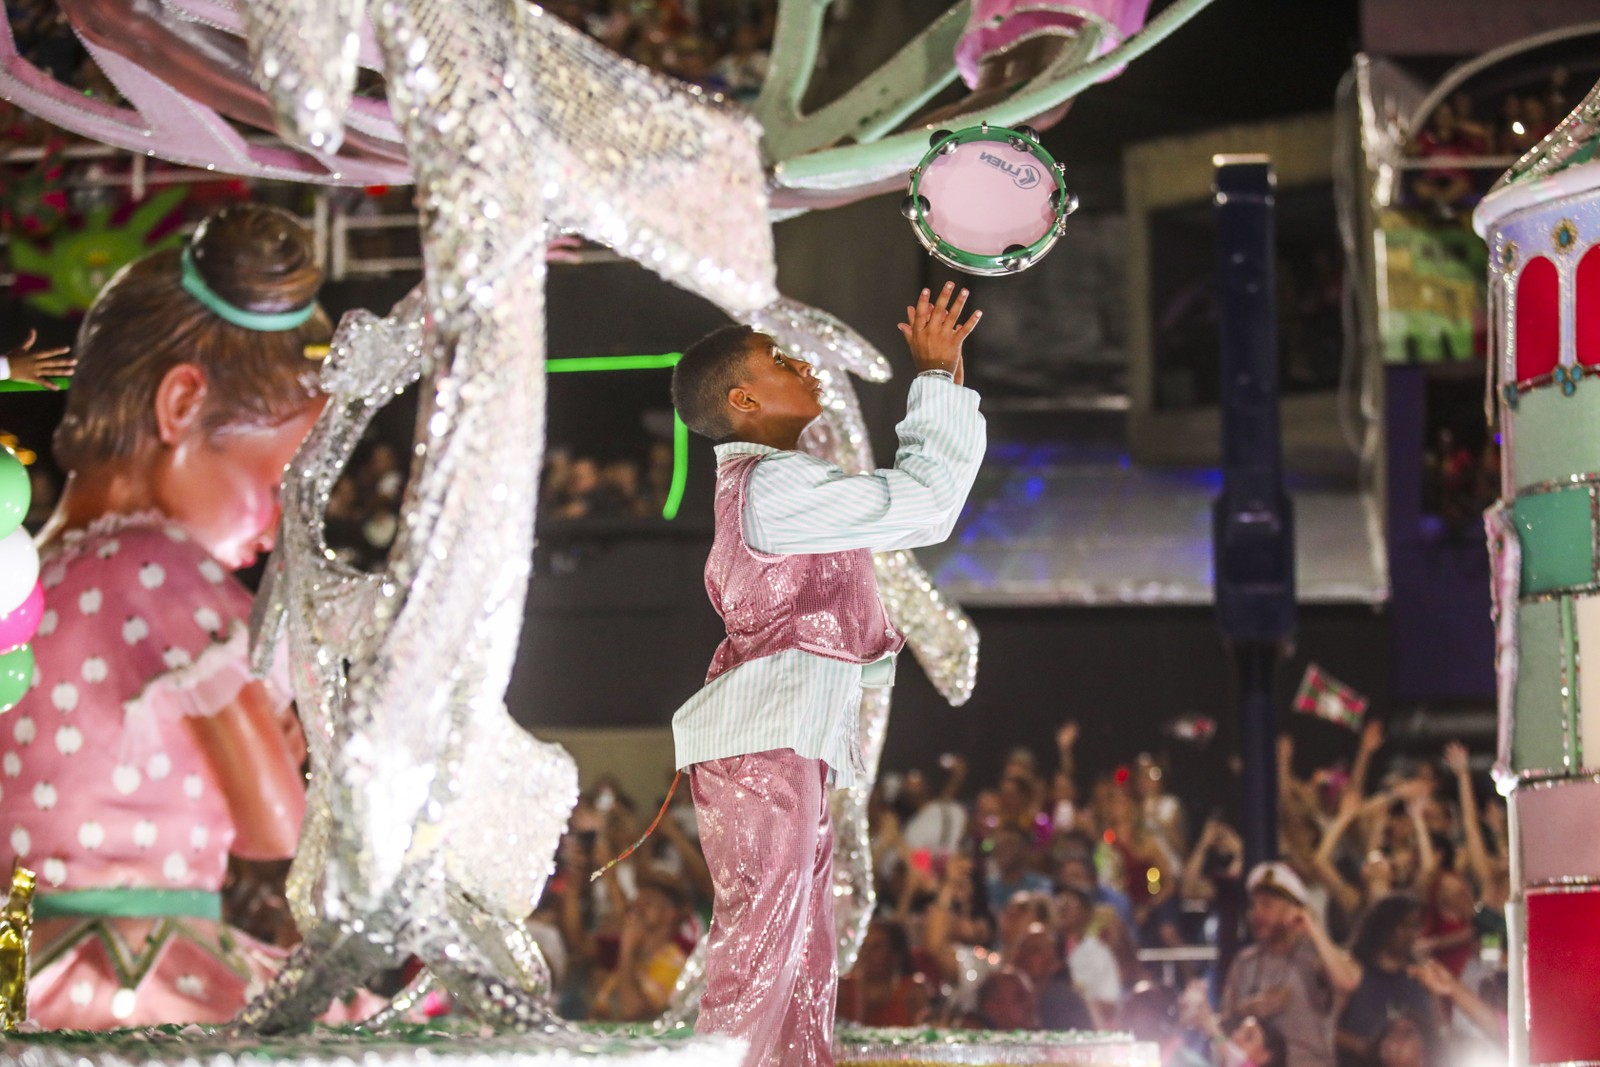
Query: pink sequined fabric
{"type": "Point", "coordinates": [771, 976]}
{"type": "Point", "coordinates": [826, 604]}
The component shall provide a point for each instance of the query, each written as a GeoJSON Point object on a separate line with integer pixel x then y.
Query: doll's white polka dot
{"type": "Point", "coordinates": [21, 840]}
{"type": "Point", "coordinates": [212, 571]}
{"type": "Point", "coordinates": [144, 833]}
{"type": "Point", "coordinates": [48, 622]}
{"type": "Point", "coordinates": [54, 871]}
{"type": "Point", "coordinates": [11, 763]}
{"type": "Point", "coordinates": [207, 620]}
{"type": "Point", "coordinates": [91, 835]}
{"type": "Point", "coordinates": [123, 1001]}
{"type": "Point", "coordinates": [175, 867]}
{"type": "Point", "coordinates": [126, 778]}
{"type": "Point", "coordinates": [158, 766]}
{"type": "Point", "coordinates": [44, 796]}
{"type": "Point", "coordinates": [176, 657]}
{"type": "Point", "coordinates": [192, 786]}
{"type": "Point", "coordinates": [152, 576]}
{"type": "Point", "coordinates": [64, 696]}
{"type": "Point", "coordinates": [135, 630]}
{"type": "Point", "coordinates": [192, 985]}
{"type": "Point", "coordinates": [68, 740]}
{"type": "Point", "coordinates": [175, 534]}
{"type": "Point", "coordinates": [108, 548]}
{"type": "Point", "coordinates": [81, 993]}
{"type": "Point", "coordinates": [24, 730]}
{"type": "Point", "coordinates": [198, 837]}
{"type": "Point", "coordinates": [38, 676]}
{"type": "Point", "coordinates": [53, 576]}
{"type": "Point", "coordinates": [94, 670]}
{"type": "Point", "coordinates": [89, 601]}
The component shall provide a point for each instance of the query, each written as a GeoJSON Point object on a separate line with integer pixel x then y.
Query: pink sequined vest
{"type": "Point", "coordinates": [826, 604]}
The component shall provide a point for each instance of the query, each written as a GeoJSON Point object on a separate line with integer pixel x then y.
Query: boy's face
{"type": "Point", "coordinates": [783, 387]}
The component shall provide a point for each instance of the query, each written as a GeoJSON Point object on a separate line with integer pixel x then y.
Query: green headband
{"type": "Point", "coordinates": [260, 321]}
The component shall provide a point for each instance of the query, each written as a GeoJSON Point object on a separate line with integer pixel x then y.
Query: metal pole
{"type": "Point", "coordinates": [1253, 522]}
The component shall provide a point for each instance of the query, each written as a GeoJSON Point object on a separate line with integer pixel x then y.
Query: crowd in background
{"type": "Point", "coordinates": [575, 487]}
{"type": "Point", "coordinates": [1462, 127]}
{"type": "Point", "coordinates": [720, 45]}
{"type": "Point", "coordinates": [1059, 897]}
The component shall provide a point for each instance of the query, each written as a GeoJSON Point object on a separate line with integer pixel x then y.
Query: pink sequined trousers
{"type": "Point", "coordinates": [771, 972]}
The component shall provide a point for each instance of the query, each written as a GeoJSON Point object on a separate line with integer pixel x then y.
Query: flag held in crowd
{"type": "Point", "coordinates": [1328, 698]}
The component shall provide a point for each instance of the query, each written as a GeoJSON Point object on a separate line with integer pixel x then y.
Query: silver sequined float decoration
{"type": "Point", "coordinates": [305, 54]}
{"type": "Point", "coordinates": [440, 817]}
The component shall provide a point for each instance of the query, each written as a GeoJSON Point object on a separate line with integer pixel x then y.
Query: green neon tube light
{"type": "Point", "coordinates": [579, 364]}
{"type": "Point", "coordinates": [11, 385]}
{"type": "Point", "coordinates": [680, 432]}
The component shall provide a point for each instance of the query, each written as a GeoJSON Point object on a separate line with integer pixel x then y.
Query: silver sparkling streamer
{"type": "Point", "coordinates": [974, 1047]}
{"type": "Point", "coordinates": [435, 817]}
{"type": "Point", "coordinates": [304, 54]}
{"type": "Point", "coordinates": [940, 634]}
{"type": "Point", "coordinates": [855, 892]}
{"type": "Point", "coordinates": [454, 1046]}
{"type": "Point", "coordinates": [444, 1046]}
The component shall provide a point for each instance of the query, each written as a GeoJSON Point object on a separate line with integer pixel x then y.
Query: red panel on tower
{"type": "Point", "coordinates": [1563, 976]}
{"type": "Point", "coordinates": [1538, 336]}
{"type": "Point", "coordinates": [1586, 308]}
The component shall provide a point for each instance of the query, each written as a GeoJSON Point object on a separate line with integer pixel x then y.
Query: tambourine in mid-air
{"type": "Point", "coordinates": [988, 199]}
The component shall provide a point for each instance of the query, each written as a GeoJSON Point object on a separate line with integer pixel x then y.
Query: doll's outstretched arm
{"type": "Point", "coordinates": [252, 762]}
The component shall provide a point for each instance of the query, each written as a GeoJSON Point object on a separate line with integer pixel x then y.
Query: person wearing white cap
{"type": "Point", "coordinates": [1292, 972]}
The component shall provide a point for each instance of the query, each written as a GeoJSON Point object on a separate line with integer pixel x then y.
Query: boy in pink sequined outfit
{"type": "Point", "coordinates": [791, 575]}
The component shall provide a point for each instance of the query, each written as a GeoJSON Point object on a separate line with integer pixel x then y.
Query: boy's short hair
{"type": "Point", "coordinates": [701, 380]}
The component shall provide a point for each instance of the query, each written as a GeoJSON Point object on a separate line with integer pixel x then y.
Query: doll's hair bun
{"type": "Point", "coordinates": [258, 258]}
{"type": "Point", "coordinates": [254, 264]}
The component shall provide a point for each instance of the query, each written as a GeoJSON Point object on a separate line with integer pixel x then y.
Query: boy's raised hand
{"type": "Point", "coordinates": [934, 332]}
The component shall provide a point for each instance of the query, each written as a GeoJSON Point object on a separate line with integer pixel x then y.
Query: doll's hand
{"type": "Point", "coordinates": [38, 368]}
{"type": "Point", "coordinates": [934, 333]}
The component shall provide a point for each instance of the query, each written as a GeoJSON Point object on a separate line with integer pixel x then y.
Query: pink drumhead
{"type": "Point", "coordinates": [986, 196]}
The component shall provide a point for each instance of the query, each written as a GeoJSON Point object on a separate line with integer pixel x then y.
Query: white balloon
{"type": "Point", "coordinates": [19, 568]}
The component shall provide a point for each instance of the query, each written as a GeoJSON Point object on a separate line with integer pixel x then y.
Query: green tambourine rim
{"type": "Point", "coordinates": [960, 257]}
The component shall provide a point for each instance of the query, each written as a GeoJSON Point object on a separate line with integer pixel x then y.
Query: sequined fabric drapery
{"type": "Point", "coordinates": [440, 816]}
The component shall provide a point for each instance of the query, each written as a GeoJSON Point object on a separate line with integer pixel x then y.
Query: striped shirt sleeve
{"type": "Point", "coordinates": [797, 503]}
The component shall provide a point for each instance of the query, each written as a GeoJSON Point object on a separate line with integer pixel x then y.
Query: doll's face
{"type": "Point", "coordinates": [223, 487]}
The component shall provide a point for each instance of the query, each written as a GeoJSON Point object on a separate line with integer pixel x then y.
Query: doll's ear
{"type": "Point", "coordinates": [179, 400]}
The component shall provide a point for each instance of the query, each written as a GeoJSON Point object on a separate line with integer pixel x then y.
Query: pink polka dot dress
{"type": "Point", "coordinates": [101, 786]}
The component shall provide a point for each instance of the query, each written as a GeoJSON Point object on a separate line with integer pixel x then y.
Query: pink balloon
{"type": "Point", "coordinates": [18, 625]}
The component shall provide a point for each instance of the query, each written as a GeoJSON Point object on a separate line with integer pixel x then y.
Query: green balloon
{"type": "Point", "coordinates": [15, 491]}
{"type": "Point", "coordinates": [16, 674]}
